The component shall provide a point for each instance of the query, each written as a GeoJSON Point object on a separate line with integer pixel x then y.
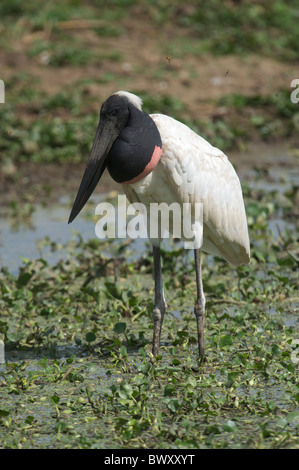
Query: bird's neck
{"type": "Point", "coordinates": [136, 151]}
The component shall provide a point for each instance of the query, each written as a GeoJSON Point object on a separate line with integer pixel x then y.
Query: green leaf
{"type": "Point", "coordinates": [176, 362]}
{"type": "Point", "coordinates": [275, 350]}
{"type": "Point", "coordinates": [183, 334]}
{"type": "Point", "coordinates": [191, 381]}
{"type": "Point", "coordinates": [225, 340]}
{"type": "Point", "coordinates": [293, 416]}
{"type": "Point", "coordinates": [120, 327]}
{"type": "Point", "coordinates": [114, 289]}
{"type": "Point", "coordinates": [231, 378]}
{"type": "Point", "coordinates": [126, 390]}
{"type": "Point", "coordinates": [172, 404]}
{"type": "Point", "coordinates": [229, 426]}
{"type": "Point", "coordinates": [123, 351]}
{"type": "Point", "coordinates": [212, 429]}
{"type": "Point", "coordinates": [90, 337]}
{"type": "Point", "coordinates": [23, 279]}
{"type": "Point", "coordinates": [55, 399]}
{"type": "Point", "coordinates": [29, 419]}
{"type": "Point", "coordinates": [169, 389]}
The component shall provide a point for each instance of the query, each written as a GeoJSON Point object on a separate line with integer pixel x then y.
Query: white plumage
{"type": "Point", "coordinates": [192, 170]}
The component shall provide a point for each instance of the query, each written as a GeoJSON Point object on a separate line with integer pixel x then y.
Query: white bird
{"type": "Point", "coordinates": [160, 160]}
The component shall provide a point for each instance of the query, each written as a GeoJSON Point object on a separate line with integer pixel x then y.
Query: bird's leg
{"type": "Point", "coordinates": [160, 305]}
{"type": "Point", "coordinates": [199, 308]}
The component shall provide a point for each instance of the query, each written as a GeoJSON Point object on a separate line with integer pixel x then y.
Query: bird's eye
{"type": "Point", "coordinates": [113, 111]}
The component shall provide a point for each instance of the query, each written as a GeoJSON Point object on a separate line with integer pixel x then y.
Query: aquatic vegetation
{"type": "Point", "coordinates": [80, 372]}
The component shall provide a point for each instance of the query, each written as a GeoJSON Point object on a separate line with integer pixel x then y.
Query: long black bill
{"type": "Point", "coordinates": [97, 162]}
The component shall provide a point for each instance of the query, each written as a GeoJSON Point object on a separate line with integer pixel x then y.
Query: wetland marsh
{"type": "Point", "coordinates": [76, 316]}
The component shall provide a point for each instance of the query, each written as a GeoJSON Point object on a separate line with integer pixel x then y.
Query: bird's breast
{"type": "Point", "coordinates": [153, 188]}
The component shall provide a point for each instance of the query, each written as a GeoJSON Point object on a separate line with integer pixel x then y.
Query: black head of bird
{"type": "Point", "coordinates": [125, 143]}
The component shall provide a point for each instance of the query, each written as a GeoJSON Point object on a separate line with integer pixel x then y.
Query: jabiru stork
{"type": "Point", "coordinates": [158, 159]}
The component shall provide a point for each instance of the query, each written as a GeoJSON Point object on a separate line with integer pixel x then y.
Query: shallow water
{"type": "Point", "coordinates": [51, 222]}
